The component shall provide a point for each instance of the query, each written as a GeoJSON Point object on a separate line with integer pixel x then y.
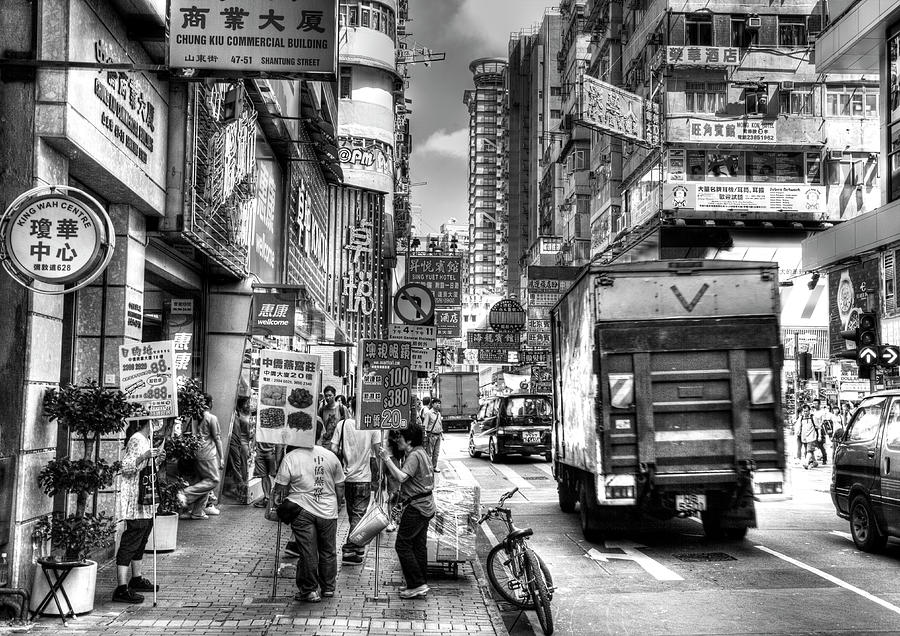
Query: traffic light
{"type": "Point", "coordinates": [805, 364]}
{"type": "Point", "coordinates": [865, 337]}
{"type": "Point", "coordinates": [340, 363]}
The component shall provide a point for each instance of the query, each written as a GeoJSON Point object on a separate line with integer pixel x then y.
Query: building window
{"type": "Point", "coordinates": [851, 101]}
{"type": "Point", "coordinates": [346, 82]}
{"type": "Point", "coordinates": [741, 36]}
{"type": "Point", "coordinates": [798, 100]}
{"type": "Point", "coordinates": [555, 113]}
{"type": "Point", "coordinates": [704, 97]}
{"type": "Point", "coordinates": [353, 15]}
{"type": "Point", "coordinates": [555, 91]}
{"type": "Point", "coordinates": [698, 30]}
{"type": "Point", "coordinates": [792, 31]}
{"type": "Point", "coordinates": [365, 15]}
{"type": "Point", "coordinates": [757, 101]}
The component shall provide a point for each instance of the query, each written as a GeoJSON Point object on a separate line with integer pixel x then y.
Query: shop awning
{"type": "Point", "coordinates": [861, 234]}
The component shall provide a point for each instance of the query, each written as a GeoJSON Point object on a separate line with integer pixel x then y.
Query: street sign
{"type": "Point", "coordinates": [493, 340]}
{"type": "Point", "coordinates": [442, 274]}
{"type": "Point", "coordinates": [890, 355]}
{"type": "Point", "coordinates": [448, 322]}
{"type": "Point", "coordinates": [423, 341]}
{"type": "Point", "coordinates": [867, 355]}
{"type": "Point", "coordinates": [414, 304]}
{"type": "Point", "coordinates": [507, 315]}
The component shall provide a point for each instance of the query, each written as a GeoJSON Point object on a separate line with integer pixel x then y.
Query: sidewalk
{"type": "Point", "coordinates": [219, 581]}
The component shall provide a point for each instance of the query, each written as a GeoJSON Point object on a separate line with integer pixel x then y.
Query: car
{"type": "Point", "coordinates": [865, 482]}
{"type": "Point", "coordinates": [517, 424]}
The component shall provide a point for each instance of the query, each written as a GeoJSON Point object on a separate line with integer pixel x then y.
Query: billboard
{"type": "Point", "coordinates": [750, 131]}
{"type": "Point", "coordinates": [848, 292]}
{"type": "Point", "coordinates": [760, 197]}
{"type": "Point", "coordinates": [613, 110]}
{"type": "Point", "coordinates": [441, 274]}
{"type": "Point", "coordinates": [703, 55]}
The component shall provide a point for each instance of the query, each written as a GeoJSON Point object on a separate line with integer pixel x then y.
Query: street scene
{"type": "Point", "coordinates": [463, 316]}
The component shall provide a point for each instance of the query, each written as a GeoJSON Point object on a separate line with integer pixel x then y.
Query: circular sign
{"type": "Point", "coordinates": [507, 315]}
{"type": "Point", "coordinates": [414, 304]}
{"type": "Point", "coordinates": [56, 235]}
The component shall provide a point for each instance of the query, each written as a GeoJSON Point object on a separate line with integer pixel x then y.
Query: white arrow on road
{"type": "Point", "coordinates": [630, 552]}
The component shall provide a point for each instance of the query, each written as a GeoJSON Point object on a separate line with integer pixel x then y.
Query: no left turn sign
{"type": "Point", "coordinates": [414, 304]}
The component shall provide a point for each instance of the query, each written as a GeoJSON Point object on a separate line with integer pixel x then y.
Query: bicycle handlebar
{"type": "Point", "coordinates": [508, 495]}
{"type": "Point", "coordinates": [499, 508]}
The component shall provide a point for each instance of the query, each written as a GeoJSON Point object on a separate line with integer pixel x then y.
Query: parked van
{"type": "Point", "coordinates": [515, 424]}
{"type": "Point", "coordinates": [865, 484]}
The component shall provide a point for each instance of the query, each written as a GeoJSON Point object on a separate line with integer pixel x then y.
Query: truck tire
{"type": "Point", "coordinates": [568, 496]}
{"type": "Point", "coordinates": [589, 515]}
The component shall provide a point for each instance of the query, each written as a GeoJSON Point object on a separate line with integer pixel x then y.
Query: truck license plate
{"type": "Point", "coordinates": [690, 503]}
{"type": "Point", "coordinates": [531, 437]}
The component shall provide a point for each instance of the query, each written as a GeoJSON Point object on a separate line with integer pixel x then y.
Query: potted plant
{"type": "Point", "coordinates": [165, 524]}
{"type": "Point", "coordinates": [88, 412]}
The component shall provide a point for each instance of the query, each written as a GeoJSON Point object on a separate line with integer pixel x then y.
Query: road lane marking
{"type": "Point", "coordinates": [514, 478]}
{"type": "Point", "coordinates": [630, 552]}
{"type": "Point", "coordinates": [843, 535]}
{"type": "Point", "coordinates": [546, 468]}
{"type": "Point", "coordinates": [832, 579]}
{"type": "Point", "coordinates": [463, 471]}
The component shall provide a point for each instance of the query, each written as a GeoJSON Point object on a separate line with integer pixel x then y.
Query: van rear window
{"type": "Point", "coordinates": [525, 406]}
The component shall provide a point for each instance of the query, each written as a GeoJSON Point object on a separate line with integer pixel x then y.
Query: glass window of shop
{"type": "Point", "coordinates": [893, 116]}
{"type": "Point", "coordinates": [753, 166]}
{"type": "Point", "coordinates": [173, 313]}
{"type": "Point", "coordinates": [372, 15]}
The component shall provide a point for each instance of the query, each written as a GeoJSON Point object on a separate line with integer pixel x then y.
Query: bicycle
{"type": "Point", "coordinates": [516, 571]}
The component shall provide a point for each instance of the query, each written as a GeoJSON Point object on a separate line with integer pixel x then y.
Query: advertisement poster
{"type": "Point", "coordinates": [441, 274]}
{"type": "Point", "coordinates": [848, 293]}
{"type": "Point", "coordinates": [180, 330]}
{"type": "Point", "coordinates": [447, 322]}
{"type": "Point", "coordinates": [147, 377]}
{"type": "Point", "coordinates": [288, 398]}
{"type": "Point", "coordinates": [384, 387]}
{"type": "Point", "coordinates": [761, 197]}
{"type": "Point", "coordinates": [274, 314]}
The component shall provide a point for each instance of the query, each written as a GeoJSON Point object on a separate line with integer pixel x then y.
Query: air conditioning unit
{"type": "Point", "coordinates": [754, 23]}
{"type": "Point", "coordinates": [835, 155]}
{"type": "Point", "coordinates": [786, 86]}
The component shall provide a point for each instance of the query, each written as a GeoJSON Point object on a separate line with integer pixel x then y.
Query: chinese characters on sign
{"type": "Point", "coordinates": [357, 288]}
{"type": "Point", "coordinates": [534, 356]}
{"type": "Point", "coordinates": [741, 130]}
{"type": "Point", "coordinates": [147, 377]}
{"type": "Point", "coordinates": [447, 323]}
{"type": "Point", "coordinates": [494, 355]}
{"type": "Point", "coordinates": [703, 55]}
{"type": "Point", "coordinates": [761, 197]}
{"type": "Point", "coordinates": [441, 274]}
{"type": "Point", "coordinates": [288, 397]}
{"type": "Point", "coordinates": [272, 36]}
{"type": "Point", "coordinates": [423, 341]}
{"type": "Point", "coordinates": [274, 314]}
{"type": "Point", "coordinates": [384, 384]}
{"type": "Point", "coordinates": [610, 109]}
{"type": "Point", "coordinates": [493, 340]}
{"type": "Point", "coordinates": [180, 330]}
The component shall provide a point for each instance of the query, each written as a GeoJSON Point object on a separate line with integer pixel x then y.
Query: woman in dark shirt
{"type": "Point", "coordinates": [416, 479]}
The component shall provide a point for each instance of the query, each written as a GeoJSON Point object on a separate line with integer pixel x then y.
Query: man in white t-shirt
{"type": "Point", "coordinates": [313, 478]}
{"type": "Point", "coordinates": [434, 432]}
{"type": "Point", "coordinates": [356, 447]}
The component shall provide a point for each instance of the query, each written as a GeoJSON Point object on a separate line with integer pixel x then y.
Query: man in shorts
{"type": "Point", "coordinates": [265, 466]}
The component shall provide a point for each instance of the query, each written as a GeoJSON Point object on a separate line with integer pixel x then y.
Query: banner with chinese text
{"type": "Point", "coordinates": [384, 384]}
{"type": "Point", "coordinates": [751, 131]}
{"type": "Point", "coordinates": [180, 330]}
{"type": "Point", "coordinates": [703, 55]}
{"type": "Point", "coordinates": [147, 377]}
{"type": "Point", "coordinates": [610, 109]}
{"type": "Point", "coordinates": [274, 314]}
{"type": "Point", "coordinates": [288, 398]}
{"type": "Point", "coordinates": [493, 340]}
{"type": "Point", "coordinates": [441, 274]}
{"type": "Point", "coordinates": [447, 322]}
{"type": "Point", "coordinates": [761, 197]}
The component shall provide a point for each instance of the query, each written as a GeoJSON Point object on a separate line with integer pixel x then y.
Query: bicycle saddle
{"type": "Point", "coordinates": [520, 534]}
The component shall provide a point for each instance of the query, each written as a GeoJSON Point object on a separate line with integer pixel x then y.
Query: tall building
{"type": "Point", "coordinates": [487, 177]}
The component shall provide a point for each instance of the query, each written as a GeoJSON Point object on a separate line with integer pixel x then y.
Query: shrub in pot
{"type": "Point", "coordinates": [165, 524]}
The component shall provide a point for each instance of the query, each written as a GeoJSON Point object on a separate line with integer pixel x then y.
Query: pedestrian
{"type": "Point", "coordinates": [434, 430]}
{"type": "Point", "coordinates": [355, 448]}
{"type": "Point", "coordinates": [239, 449]}
{"type": "Point", "coordinates": [416, 479]}
{"type": "Point", "coordinates": [331, 412]}
{"type": "Point", "coordinates": [796, 430]}
{"type": "Point", "coordinates": [210, 462]}
{"type": "Point", "coordinates": [265, 466]}
{"type": "Point", "coordinates": [846, 413]}
{"type": "Point", "coordinates": [138, 516]}
{"type": "Point", "coordinates": [820, 414]}
{"type": "Point", "coordinates": [313, 479]}
{"type": "Point", "coordinates": [426, 409]}
{"type": "Point", "coordinates": [837, 426]}
{"type": "Point", "coordinates": [415, 411]}
{"type": "Point", "coordinates": [809, 435]}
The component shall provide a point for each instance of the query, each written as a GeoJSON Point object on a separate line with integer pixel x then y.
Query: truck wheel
{"type": "Point", "coordinates": [472, 451]}
{"type": "Point", "coordinates": [590, 526]}
{"type": "Point", "coordinates": [494, 456]}
{"type": "Point", "coordinates": [712, 524]}
{"type": "Point", "coordinates": [568, 496]}
{"type": "Point", "coordinates": [863, 527]}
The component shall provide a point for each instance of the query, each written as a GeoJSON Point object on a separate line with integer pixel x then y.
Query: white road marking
{"type": "Point", "coordinates": [631, 553]}
{"type": "Point", "coordinates": [833, 579]}
{"type": "Point", "coordinates": [843, 535]}
{"type": "Point", "coordinates": [463, 472]}
{"type": "Point", "coordinates": [491, 537]}
{"type": "Point", "coordinates": [547, 468]}
{"type": "Point", "coordinates": [514, 478]}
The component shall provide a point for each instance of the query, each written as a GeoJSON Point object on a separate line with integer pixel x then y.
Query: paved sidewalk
{"type": "Point", "coordinates": [219, 581]}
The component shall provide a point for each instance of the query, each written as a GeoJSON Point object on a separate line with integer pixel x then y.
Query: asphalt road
{"type": "Point", "coordinates": [798, 572]}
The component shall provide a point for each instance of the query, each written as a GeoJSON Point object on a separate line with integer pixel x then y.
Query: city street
{"type": "Point", "coordinates": [798, 572]}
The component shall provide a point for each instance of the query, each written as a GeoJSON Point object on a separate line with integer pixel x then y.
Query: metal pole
{"type": "Point", "coordinates": [378, 536]}
{"type": "Point", "coordinates": [153, 507]}
{"type": "Point", "coordinates": [796, 373]}
{"type": "Point", "coordinates": [277, 555]}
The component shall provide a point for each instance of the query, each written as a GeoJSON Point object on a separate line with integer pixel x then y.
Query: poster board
{"type": "Point", "coordinates": [288, 398]}
{"type": "Point", "coordinates": [384, 386]}
{"type": "Point", "coordinates": [147, 377]}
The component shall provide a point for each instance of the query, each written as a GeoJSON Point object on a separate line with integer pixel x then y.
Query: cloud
{"type": "Point", "coordinates": [490, 22]}
{"type": "Point", "coordinates": [450, 144]}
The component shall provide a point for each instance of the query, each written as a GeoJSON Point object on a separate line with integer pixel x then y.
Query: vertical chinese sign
{"type": "Point", "coordinates": [358, 289]}
{"type": "Point", "coordinates": [447, 322]}
{"type": "Point", "coordinates": [147, 377]}
{"type": "Point", "coordinates": [274, 314]}
{"type": "Point", "coordinates": [288, 392]}
{"type": "Point", "coordinates": [180, 330]}
{"type": "Point", "coordinates": [383, 391]}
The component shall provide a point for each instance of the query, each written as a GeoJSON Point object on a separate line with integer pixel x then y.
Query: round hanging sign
{"type": "Point", "coordinates": [56, 235]}
{"type": "Point", "coordinates": [507, 315]}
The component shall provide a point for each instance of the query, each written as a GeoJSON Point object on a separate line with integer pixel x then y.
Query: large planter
{"type": "Point", "coordinates": [165, 527]}
{"type": "Point", "coordinates": [80, 586]}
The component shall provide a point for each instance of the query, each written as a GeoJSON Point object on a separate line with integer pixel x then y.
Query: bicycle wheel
{"type": "Point", "coordinates": [540, 595]}
{"type": "Point", "coordinates": [501, 572]}
{"type": "Point", "coordinates": [548, 578]}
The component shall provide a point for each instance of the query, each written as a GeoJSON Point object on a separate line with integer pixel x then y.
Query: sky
{"type": "Point", "coordinates": [465, 30]}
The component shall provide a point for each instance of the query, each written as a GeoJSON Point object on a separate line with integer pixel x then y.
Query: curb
{"type": "Point", "coordinates": [492, 610]}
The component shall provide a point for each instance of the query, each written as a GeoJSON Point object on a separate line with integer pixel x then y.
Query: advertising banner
{"type": "Point", "coordinates": [147, 377]}
{"type": "Point", "coordinates": [761, 197]}
{"type": "Point", "coordinates": [534, 356]}
{"type": "Point", "coordinates": [288, 398]}
{"type": "Point", "coordinates": [493, 340]}
{"type": "Point", "coordinates": [752, 131]}
{"type": "Point", "coordinates": [703, 55]}
{"type": "Point", "coordinates": [383, 391]}
{"type": "Point", "coordinates": [441, 274]}
{"type": "Point", "coordinates": [274, 314]}
{"type": "Point", "coordinates": [447, 322]}
{"type": "Point", "coordinates": [180, 330]}
{"type": "Point", "coordinates": [848, 293]}
{"type": "Point", "coordinates": [255, 36]}
{"type": "Point", "coordinates": [613, 110]}
{"type": "Point", "coordinates": [500, 356]}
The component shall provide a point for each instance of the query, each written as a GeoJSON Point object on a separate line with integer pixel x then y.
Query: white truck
{"type": "Point", "coordinates": [667, 394]}
{"type": "Point", "coordinates": [459, 393]}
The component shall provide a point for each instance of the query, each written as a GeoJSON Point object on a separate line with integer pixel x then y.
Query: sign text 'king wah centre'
{"type": "Point", "coordinates": [254, 36]}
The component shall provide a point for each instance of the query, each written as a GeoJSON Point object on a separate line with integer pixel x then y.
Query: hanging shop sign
{"type": "Point", "coordinates": [358, 291]}
{"type": "Point", "coordinates": [538, 339]}
{"type": "Point", "coordinates": [753, 131]}
{"type": "Point", "coordinates": [703, 55]}
{"type": "Point", "coordinates": [447, 322]}
{"type": "Point", "coordinates": [441, 274]}
{"type": "Point", "coordinates": [253, 37]}
{"type": "Point", "coordinates": [180, 330]}
{"type": "Point", "coordinates": [274, 314]}
{"type": "Point", "coordinates": [56, 235]}
{"type": "Point", "coordinates": [761, 197]}
{"type": "Point", "coordinates": [507, 315]}
{"type": "Point", "coordinates": [643, 198]}
{"type": "Point", "coordinates": [384, 384]}
{"type": "Point", "coordinates": [288, 397]}
{"type": "Point", "coordinates": [534, 356]}
{"type": "Point", "coordinates": [147, 377]}
{"type": "Point", "coordinates": [541, 380]}
{"type": "Point", "coordinates": [612, 110]}
{"type": "Point", "coordinates": [359, 153]}
{"type": "Point", "coordinates": [493, 340]}
{"type": "Point", "coordinates": [494, 356]}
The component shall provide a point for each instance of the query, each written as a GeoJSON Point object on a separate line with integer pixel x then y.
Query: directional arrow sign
{"type": "Point", "coordinates": [867, 355]}
{"type": "Point", "coordinates": [890, 355]}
